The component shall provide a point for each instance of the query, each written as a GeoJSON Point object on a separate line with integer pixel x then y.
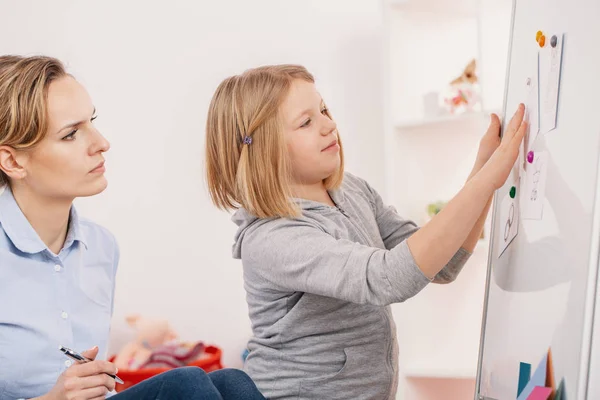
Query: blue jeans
{"type": "Point", "coordinates": [192, 383]}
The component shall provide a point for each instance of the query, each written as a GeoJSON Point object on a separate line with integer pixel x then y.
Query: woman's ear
{"type": "Point", "coordinates": [11, 164]}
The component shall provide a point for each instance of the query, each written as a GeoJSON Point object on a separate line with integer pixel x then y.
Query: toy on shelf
{"type": "Point", "coordinates": [434, 208]}
{"type": "Point", "coordinates": [463, 94]}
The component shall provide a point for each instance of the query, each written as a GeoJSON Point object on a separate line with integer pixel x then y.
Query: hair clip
{"type": "Point", "coordinates": [247, 140]}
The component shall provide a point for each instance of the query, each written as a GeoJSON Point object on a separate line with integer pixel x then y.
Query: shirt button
{"type": "Point", "coordinates": [68, 363]}
{"type": "Point", "coordinates": [57, 268]}
{"type": "Point", "coordinates": [64, 315]}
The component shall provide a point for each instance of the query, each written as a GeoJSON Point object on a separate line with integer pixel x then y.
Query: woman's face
{"type": "Point", "coordinates": [69, 161]}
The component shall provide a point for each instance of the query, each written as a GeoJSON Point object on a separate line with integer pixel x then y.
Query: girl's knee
{"type": "Point", "coordinates": [228, 373]}
{"type": "Point", "coordinates": [231, 378]}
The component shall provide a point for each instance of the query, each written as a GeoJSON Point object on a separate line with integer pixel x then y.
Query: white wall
{"type": "Point", "coordinates": [151, 68]}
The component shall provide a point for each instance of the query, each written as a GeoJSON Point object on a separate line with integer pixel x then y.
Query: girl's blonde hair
{"type": "Point", "coordinates": [256, 176]}
{"type": "Point", "coordinates": [24, 85]}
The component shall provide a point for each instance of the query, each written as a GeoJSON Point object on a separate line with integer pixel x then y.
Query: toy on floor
{"type": "Point", "coordinates": [174, 355]}
{"type": "Point", "coordinates": [155, 345]}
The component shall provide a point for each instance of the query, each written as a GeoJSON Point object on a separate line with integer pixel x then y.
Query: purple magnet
{"type": "Point", "coordinates": [530, 157]}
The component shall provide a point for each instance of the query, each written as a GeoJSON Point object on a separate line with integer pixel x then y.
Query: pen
{"type": "Point", "coordinates": [79, 358]}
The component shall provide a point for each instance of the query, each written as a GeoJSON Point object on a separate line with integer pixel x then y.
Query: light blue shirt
{"type": "Point", "coordinates": [47, 300]}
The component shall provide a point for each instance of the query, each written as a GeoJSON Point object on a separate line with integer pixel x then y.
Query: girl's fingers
{"type": "Point", "coordinates": [514, 123]}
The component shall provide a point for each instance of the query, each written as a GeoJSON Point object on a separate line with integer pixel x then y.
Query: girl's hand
{"type": "Point", "coordinates": [498, 166]}
{"type": "Point", "coordinates": [488, 143]}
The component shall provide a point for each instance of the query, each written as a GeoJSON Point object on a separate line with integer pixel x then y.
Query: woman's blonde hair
{"type": "Point", "coordinates": [24, 85]}
{"type": "Point", "coordinates": [257, 176]}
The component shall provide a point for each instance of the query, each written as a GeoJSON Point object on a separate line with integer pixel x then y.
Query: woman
{"type": "Point", "coordinates": [57, 271]}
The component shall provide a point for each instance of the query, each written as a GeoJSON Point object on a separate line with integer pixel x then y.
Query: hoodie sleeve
{"type": "Point", "coordinates": [296, 256]}
{"type": "Point", "coordinates": [394, 230]}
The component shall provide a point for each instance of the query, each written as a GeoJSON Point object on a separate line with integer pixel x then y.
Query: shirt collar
{"type": "Point", "coordinates": [21, 233]}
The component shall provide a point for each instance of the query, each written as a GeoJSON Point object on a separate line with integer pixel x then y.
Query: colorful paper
{"type": "Point", "coordinates": [550, 371]}
{"type": "Point", "coordinates": [540, 393]}
{"type": "Point", "coordinates": [524, 376]}
{"type": "Point", "coordinates": [538, 379]}
{"type": "Point", "coordinates": [560, 392]}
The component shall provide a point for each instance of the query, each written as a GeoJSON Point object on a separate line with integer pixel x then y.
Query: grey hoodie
{"type": "Point", "coordinates": [318, 289]}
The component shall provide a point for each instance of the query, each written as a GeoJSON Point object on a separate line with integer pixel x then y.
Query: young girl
{"type": "Point", "coordinates": [57, 271]}
{"type": "Point", "coordinates": [323, 257]}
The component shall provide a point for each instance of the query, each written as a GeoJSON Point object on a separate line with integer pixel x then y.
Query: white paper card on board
{"type": "Point", "coordinates": [532, 101]}
{"type": "Point", "coordinates": [550, 66]}
{"type": "Point", "coordinates": [509, 221]}
{"type": "Point", "coordinates": [533, 195]}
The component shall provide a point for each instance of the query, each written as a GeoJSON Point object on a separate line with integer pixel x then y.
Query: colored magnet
{"type": "Point", "coordinates": [513, 192]}
{"type": "Point", "coordinates": [538, 35]}
{"type": "Point", "coordinates": [553, 41]}
{"type": "Point", "coordinates": [530, 157]}
{"type": "Point", "coordinates": [542, 41]}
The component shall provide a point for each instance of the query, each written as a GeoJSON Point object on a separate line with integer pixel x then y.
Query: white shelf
{"type": "Point", "coordinates": [426, 52]}
{"type": "Point", "coordinates": [467, 117]}
{"type": "Point", "coordinates": [463, 8]}
{"type": "Point", "coordinates": [427, 44]}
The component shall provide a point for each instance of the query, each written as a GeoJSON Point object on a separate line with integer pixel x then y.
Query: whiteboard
{"type": "Point", "coordinates": [540, 292]}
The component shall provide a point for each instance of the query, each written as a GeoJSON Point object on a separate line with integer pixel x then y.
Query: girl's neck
{"type": "Point", "coordinates": [315, 192]}
{"type": "Point", "coordinates": [49, 217]}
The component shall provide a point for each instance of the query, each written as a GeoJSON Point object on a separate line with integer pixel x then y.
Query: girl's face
{"type": "Point", "coordinates": [310, 134]}
{"type": "Point", "coordinates": [69, 161]}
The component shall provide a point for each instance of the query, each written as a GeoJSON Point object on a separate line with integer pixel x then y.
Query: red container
{"type": "Point", "coordinates": [211, 361]}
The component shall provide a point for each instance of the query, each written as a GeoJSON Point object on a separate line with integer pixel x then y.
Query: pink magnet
{"type": "Point", "coordinates": [530, 157]}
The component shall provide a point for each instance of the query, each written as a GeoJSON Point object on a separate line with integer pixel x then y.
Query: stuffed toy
{"type": "Point", "coordinates": [463, 93]}
{"type": "Point", "coordinates": [175, 355]}
{"type": "Point", "coordinates": [151, 334]}
{"type": "Point", "coordinates": [469, 74]}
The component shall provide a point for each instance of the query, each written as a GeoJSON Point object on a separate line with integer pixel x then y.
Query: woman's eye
{"type": "Point", "coordinates": [70, 136]}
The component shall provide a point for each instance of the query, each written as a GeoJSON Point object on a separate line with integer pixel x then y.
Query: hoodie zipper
{"type": "Point", "coordinates": [356, 227]}
{"type": "Point", "coordinates": [385, 315]}
{"type": "Point", "coordinates": [341, 210]}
